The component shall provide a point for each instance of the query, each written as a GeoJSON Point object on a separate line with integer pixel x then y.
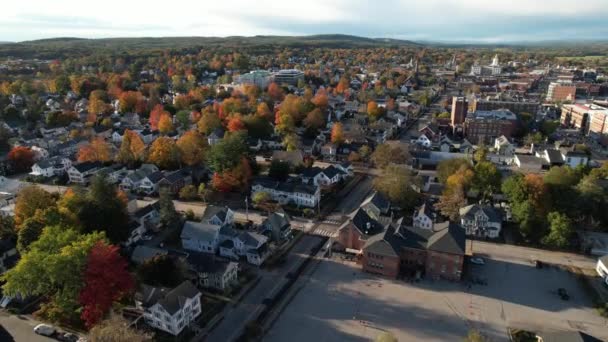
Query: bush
{"type": "Point", "coordinates": [188, 193]}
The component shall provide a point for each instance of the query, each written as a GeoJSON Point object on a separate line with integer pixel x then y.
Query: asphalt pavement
{"type": "Point", "coordinates": [19, 329]}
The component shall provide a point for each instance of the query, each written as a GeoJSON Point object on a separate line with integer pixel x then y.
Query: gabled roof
{"type": "Point", "coordinates": [554, 156]}
{"type": "Point", "coordinates": [87, 166]}
{"type": "Point", "coordinates": [366, 225]}
{"type": "Point", "coordinates": [199, 231]}
{"type": "Point", "coordinates": [155, 177]}
{"type": "Point", "coordinates": [470, 211]}
{"type": "Point", "coordinates": [205, 263]}
{"type": "Point", "coordinates": [426, 209]}
{"type": "Point", "coordinates": [172, 300]}
{"type": "Point", "coordinates": [252, 240]}
{"type": "Point", "coordinates": [448, 238]}
{"type": "Point", "coordinates": [143, 253]}
{"type": "Point", "coordinates": [143, 211]}
{"type": "Point", "coordinates": [277, 222]}
{"type": "Point", "coordinates": [214, 210]}
{"type": "Point", "coordinates": [379, 201]}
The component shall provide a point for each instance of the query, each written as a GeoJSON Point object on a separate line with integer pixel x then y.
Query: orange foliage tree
{"type": "Point", "coordinates": [21, 158]}
{"type": "Point", "coordinates": [337, 133]}
{"type": "Point", "coordinates": [233, 179]}
{"type": "Point", "coordinates": [164, 153]}
{"type": "Point", "coordinates": [192, 147]}
{"type": "Point", "coordinates": [95, 151]}
{"type": "Point", "coordinates": [165, 124]}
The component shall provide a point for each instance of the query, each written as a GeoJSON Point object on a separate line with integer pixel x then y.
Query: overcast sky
{"type": "Point", "coordinates": [437, 20]}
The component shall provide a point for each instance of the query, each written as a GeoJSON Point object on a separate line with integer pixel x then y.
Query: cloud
{"type": "Point", "coordinates": [482, 20]}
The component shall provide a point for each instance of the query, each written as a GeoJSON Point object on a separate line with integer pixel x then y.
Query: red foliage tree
{"type": "Point", "coordinates": [155, 116]}
{"type": "Point", "coordinates": [236, 124]}
{"type": "Point", "coordinates": [21, 158]}
{"type": "Point", "coordinates": [106, 280]}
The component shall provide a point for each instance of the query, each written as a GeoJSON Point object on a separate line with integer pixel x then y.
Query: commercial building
{"type": "Point", "coordinates": [259, 78]}
{"type": "Point", "coordinates": [589, 118]}
{"type": "Point", "coordinates": [460, 107]}
{"type": "Point", "coordinates": [516, 107]}
{"type": "Point", "coordinates": [485, 126]}
{"type": "Point", "coordinates": [493, 69]}
{"type": "Point", "coordinates": [288, 76]}
{"type": "Point", "coordinates": [559, 91]}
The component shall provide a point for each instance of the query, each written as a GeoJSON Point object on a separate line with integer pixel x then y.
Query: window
{"type": "Point", "coordinates": [443, 268]}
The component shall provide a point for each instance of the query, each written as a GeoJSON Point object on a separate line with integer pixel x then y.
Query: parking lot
{"type": "Point", "coordinates": [341, 303]}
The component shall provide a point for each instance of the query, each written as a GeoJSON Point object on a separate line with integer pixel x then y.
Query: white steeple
{"type": "Point", "coordinates": [495, 61]}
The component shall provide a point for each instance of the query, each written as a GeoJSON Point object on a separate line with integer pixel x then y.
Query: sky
{"type": "Point", "coordinates": [482, 21]}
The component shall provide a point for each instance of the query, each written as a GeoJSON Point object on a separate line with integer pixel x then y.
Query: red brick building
{"type": "Point", "coordinates": [484, 126]}
{"type": "Point", "coordinates": [438, 253]}
{"type": "Point", "coordinates": [354, 233]}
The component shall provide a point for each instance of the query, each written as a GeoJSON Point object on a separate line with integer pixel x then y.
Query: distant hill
{"type": "Point", "coordinates": [63, 47]}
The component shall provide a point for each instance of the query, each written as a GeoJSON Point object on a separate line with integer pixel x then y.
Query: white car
{"type": "Point", "coordinates": [44, 329]}
{"type": "Point", "coordinates": [478, 261]}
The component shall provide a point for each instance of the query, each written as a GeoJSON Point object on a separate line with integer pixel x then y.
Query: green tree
{"type": "Point", "coordinates": [561, 176]}
{"type": "Point", "coordinates": [487, 178]}
{"type": "Point", "coordinates": [7, 227]}
{"type": "Point", "coordinates": [203, 192]}
{"type": "Point", "coordinates": [183, 118]}
{"type": "Point", "coordinates": [30, 199]}
{"type": "Point", "coordinates": [28, 233]}
{"type": "Point", "coordinates": [53, 267]}
{"type": "Point", "coordinates": [227, 153]}
{"type": "Point", "coordinates": [162, 270]}
{"type": "Point", "coordinates": [386, 154]}
{"type": "Point", "coordinates": [560, 230]}
{"type": "Point", "coordinates": [188, 192]}
{"type": "Point", "coordinates": [396, 183]}
{"type": "Point", "coordinates": [168, 215]}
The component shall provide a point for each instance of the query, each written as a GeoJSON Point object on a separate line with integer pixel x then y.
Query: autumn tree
{"type": "Point", "coordinates": [235, 124]}
{"type": "Point", "coordinates": [155, 115]}
{"type": "Point", "coordinates": [236, 178]}
{"type": "Point", "coordinates": [106, 280]}
{"type": "Point", "coordinates": [386, 154]}
{"type": "Point", "coordinates": [374, 111]}
{"type": "Point", "coordinates": [227, 153]}
{"type": "Point", "coordinates": [314, 120]}
{"type": "Point", "coordinates": [448, 167]}
{"type": "Point", "coordinates": [29, 200]}
{"type": "Point", "coordinates": [97, 150]}
{"type": "Point", "coordinates": [320, 99]}
{"type": "Point", "coordinates": [208, 122]}
{"type": "Point", "coordinates": [164, 153]}
{"type": "Point", "coordinates": [165, 124]}
{"type": "Point", "coordinates": [262, 110]}
{"type": "Point", "coordinates": [21, 158]}
{"type": "Point", "coordinates": [337, 133]}
{"type": "Point", "coordinates": [188, 193]}
{"type": "Point", "coordinates": [343, 85]}
{"type": "Point", "coordinates": [192, 146]}
{"type": "Point", "coordinates": [130, 101]}
{"type": "Point", "coordinates": [117, 329]}
{"type": "Point", "coordinates": [454, 194]}
{"type": "Point", "coordinates": [132, 148]}
{"type": "Point", "coordinates": [275, 92]}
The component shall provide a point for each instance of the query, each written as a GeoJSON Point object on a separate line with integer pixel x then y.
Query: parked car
{"type": "Point", "coordinates": [478, 261]}
{"type": "Point", "coordinates": [44, 330]}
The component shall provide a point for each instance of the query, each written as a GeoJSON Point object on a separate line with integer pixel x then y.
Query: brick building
{"type": "Point", "coordinates": [516, 107]}
{"type": "Point", "coordinates": [561, 92]}
{"type": "Point", "coordinates": [485, 126]}
{"type": "Point", "coordinates": [356, 230]}
{"type": "Point", "coordinates": [460, 107]}
{"type": "Point", "coordinates": [438, 253]}
{"type": "Point", "coordinates": [589, 118]}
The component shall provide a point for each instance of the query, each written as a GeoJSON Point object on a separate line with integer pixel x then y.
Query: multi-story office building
{"type": "Point", "coordinates": [516, 107]}
{"type": "Point", "coordinates": [259, 78]}
{"type": "Point", "coordinates": [288, 76]}
{"type": "Point", "coordinates": [559, 91]}
{"type": "Point", "coordinates": [589, 118]}
{"type": "Point", "coordinates": [485, 126]}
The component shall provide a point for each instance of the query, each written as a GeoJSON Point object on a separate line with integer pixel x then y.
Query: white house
{"type": "Point", "coordinates": [200, 237]}
{"type": "Point", "coordinates": [81, 173]}
{"type": "Point", "coordinates": [51, 167]}
{"type": "Point", "coordinates": [253, 246]}
{"type": "Point", "coordinates": [134, 179]}
{"type": "Point", "coordinates": [322, 177]}
{"type": "Point", "coordinates": [480, 220]}
{"type": "Point", "coordinates": [602, 268]}
{"type": "Point", "coordinates": [423, 140]}
{"type": "Point", "coordinates": [503, 147]}
{"type": "Point", "coordinates": [170, 310]}
{"type": "Point", "coordinates": [302, 195]}
{"type": "Point", "coordinates": [218, 215]}
{"type": "Point", "coordinates": [424, 217]}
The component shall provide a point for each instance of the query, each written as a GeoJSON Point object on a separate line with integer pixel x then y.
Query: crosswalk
{"type": "Point", "coordinates": [334, 222]}
{"type": "Point", "coordinates": [324, 232]}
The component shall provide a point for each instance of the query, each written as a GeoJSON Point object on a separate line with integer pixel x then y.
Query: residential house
{"type": "Point", "coordinates": [200, 237]}
{"type": "Point", "coordinates": [253, 246]}
{"type": "Point", "coordinates": [378, 207]}
{"type": "Point", "coordinates": [503, 147]}
{"type": "Point", "coordinates": [147, 135]}
{"type": "Point", "coordinates": [218, 216]}
{"type": "Point", "coordinates": [438, 253]}
{"type": "Point", "coordinates": [170, 310]}
{"type": "Point", "coordinates": [277, 226]}
{"type": "Point", "coordinates": [134, 179]}
{"type": "Point", "coordinates": [8, 255]}
{"type": "Point", "coordinates": [327, 177]}
{"type": "Point", "coordinates": [431, 131]}
{"type": "Point", "coordinates": [174, 181]}
{"type": "Point", "coordinates": [329, 151]}
{"type": "Point", "coordinates": [423, 141]}
{"type": "Point", "coordinates": [55, 166]}
{"type": "Point", "coordinates": [151, 183]}
{"type": "Point", "coordinates": [209, 272]}
{"type": "Point", "coordinates": [529, 163]}
{"type": "Point", "coordinates": [481, 221]}
{"type": "Point", "coordinates": [291, 191]}
{"type": "Point", "coordinates": [82, 173]}
{"type": "Point", "coordinates": [425, 217]}
{"type": "Point", "coordinates": [346, 167]}
{"type": "Point", "coordinates": [143, 220]}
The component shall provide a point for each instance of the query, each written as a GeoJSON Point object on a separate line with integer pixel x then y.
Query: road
{"type": "Point", "coordinates": [235, 317]}
{"type": "Point", "coordinates": [528, 254]}
{"type": "Point", "coordinates": [19, 328]}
